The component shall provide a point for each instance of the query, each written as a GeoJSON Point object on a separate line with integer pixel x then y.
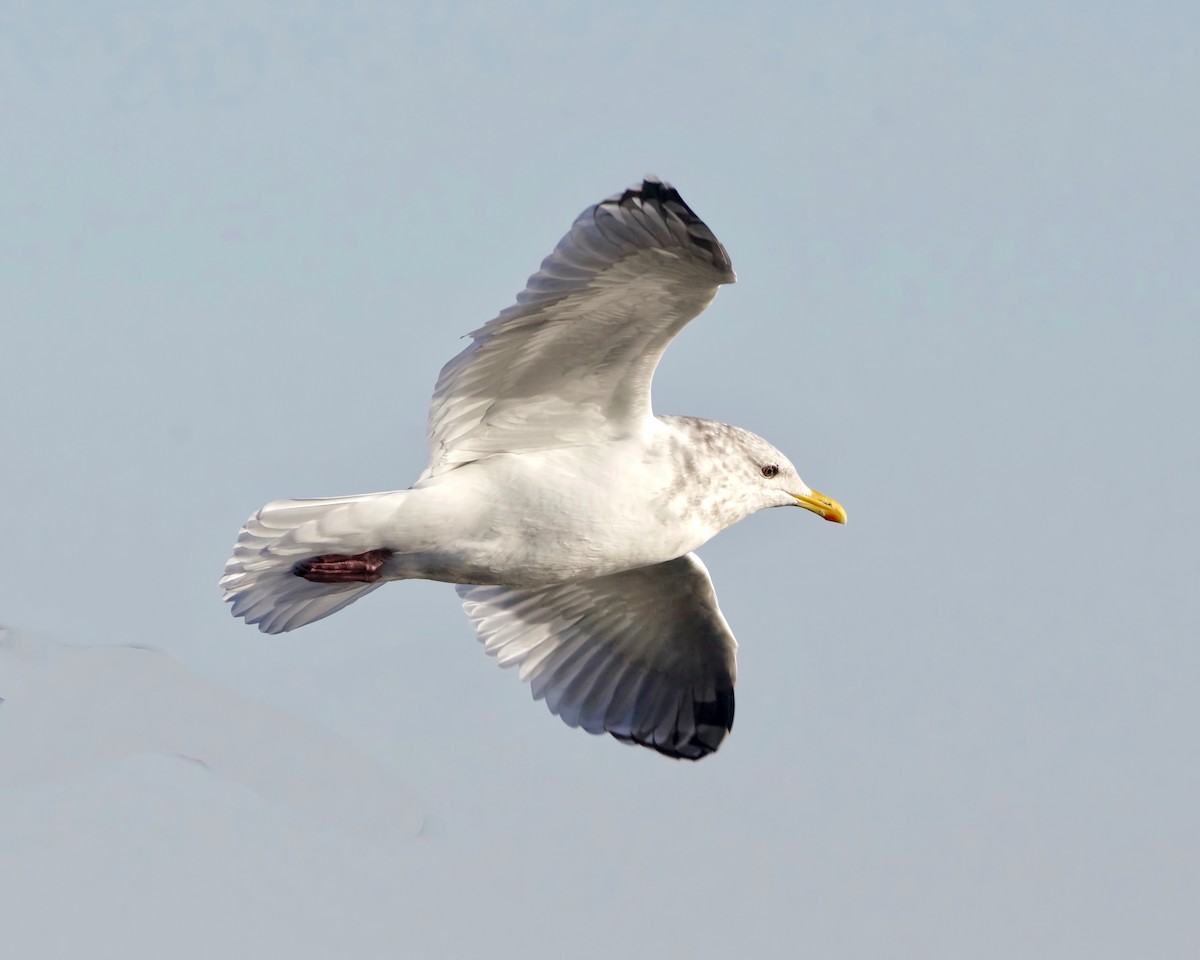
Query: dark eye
{"type": "Point", "coordinates": [770, 470]}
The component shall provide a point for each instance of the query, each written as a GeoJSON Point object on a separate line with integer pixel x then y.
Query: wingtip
{"type": "Point", "coordinates": [653, 189]}
{"type": "Point", "coordinates": [659, 193]}
{"type": "Point", "coordinates": [712, 722]}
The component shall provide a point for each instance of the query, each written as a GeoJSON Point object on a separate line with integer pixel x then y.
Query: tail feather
{"type": "Point", "coordinates": [259, 580]}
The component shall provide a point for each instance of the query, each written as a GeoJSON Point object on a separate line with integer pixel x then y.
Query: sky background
{"type": "Point", "coordinates": [967, 237]}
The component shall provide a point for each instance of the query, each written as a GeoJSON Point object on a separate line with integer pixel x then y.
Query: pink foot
{"type": "Point", "coordinates": [340, 568]}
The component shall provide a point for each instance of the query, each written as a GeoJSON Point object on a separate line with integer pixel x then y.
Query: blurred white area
{"type": "Point", "coordinates": [70, 713]}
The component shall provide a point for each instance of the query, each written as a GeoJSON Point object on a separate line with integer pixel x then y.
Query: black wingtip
{"type": "Point", "coordinates": [712, 720]}
{"type": "Point", "coordinates": [666, 198]}
{"type": "Point", "coordinates": [654, 190]}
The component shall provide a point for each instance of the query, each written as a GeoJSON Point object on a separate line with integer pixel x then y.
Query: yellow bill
{"type": "Point", "coordinates": [823, 506]}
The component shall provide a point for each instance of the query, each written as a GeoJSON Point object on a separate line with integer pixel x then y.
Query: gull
{"type": "Point", "coordinates": [565, 512]}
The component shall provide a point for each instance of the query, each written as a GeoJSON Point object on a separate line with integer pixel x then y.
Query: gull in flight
{"type": "Point", "coordinates": [563, 509]}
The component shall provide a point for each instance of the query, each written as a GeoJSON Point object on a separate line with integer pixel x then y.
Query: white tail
{"type": "Point", "coordinates": [259, 580]}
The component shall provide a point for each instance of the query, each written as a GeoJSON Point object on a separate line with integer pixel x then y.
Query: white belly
{"type": "Point", "coordinates": [538, 518]}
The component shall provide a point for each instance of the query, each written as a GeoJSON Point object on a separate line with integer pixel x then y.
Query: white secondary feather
{"type": "Point", "coordinates": [571, 361]}
{"type": "Point", "coordinates": [645, 655]}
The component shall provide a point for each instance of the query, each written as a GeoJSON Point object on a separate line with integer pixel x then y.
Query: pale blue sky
{"type": "Point", "coordinates": [967, 240]}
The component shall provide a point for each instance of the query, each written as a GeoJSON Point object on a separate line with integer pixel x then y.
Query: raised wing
{"type": "Point", "coordinates": [645, 655]}
{"type": "Point", "coordinates": [571, 361]}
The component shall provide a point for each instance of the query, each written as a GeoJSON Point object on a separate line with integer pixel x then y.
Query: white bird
{"type": "Point", "coordinates": [564, 509]}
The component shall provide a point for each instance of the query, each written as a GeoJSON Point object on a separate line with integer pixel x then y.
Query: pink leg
{"type": "Point", "coordinates": [340, 568]}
